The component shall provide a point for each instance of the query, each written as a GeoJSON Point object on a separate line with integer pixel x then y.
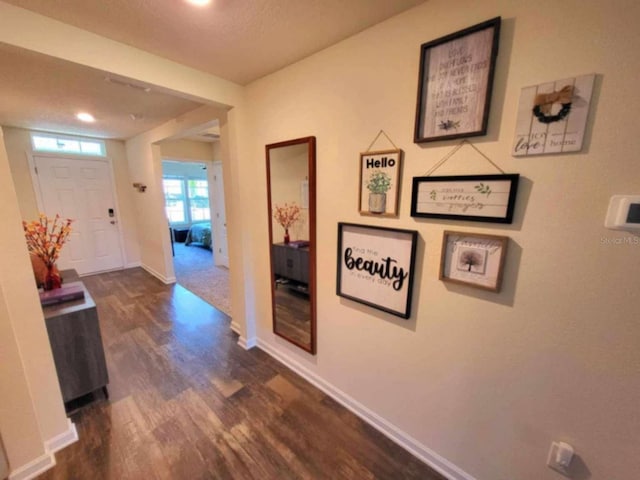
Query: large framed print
{"type": "Point", "coordinates": [479, 198]}
{"type": "Point", "coordinates": [380, 182]}
{"type": "Point", "coordinates": [473, 259]}
{"type": "Point", "coordinates": [376, 266]}
{"type": "Point", "coordinates": [455, 83]}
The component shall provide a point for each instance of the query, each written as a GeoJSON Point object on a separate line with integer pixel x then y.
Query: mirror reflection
{"type": "Point", "coordinates": [291, 190]}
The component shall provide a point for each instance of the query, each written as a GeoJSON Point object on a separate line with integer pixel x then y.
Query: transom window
{"type": "Point", "coordinates": [63, 144]}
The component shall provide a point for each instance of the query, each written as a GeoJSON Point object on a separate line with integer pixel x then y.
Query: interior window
{"type": "Point", "coordinates": [175, 200]}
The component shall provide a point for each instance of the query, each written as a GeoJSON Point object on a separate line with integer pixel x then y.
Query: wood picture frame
{"type": "Point", "coordinates": [473, 259]}
{"type": "Point", "coordinates": [455, 83]}
{"type": "Point", "coordinates": [380, 181]}
{"type": "Point", "coordinates": [478, 198]}
{"type": "Point", "coordinates": [376, 266]}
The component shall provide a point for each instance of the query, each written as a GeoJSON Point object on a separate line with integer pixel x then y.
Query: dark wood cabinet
{"type": "Point", "coordinates": [76, 343]}
{"type": "Point", "coordinates": [291, 263]}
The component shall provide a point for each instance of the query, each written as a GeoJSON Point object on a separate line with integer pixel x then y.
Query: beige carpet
{"type": "Point", "coordinates": [196, 272]}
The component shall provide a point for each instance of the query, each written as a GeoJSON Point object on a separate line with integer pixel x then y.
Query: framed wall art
{"type": "Point", "coordinates": [479, 198]}
{"type": "Point", "coordinates": [455, 82]}
{"type": "Point", "coordinates": [376, 266]}
{"type": "Point", "coordinates": [473, 259]}
{"type": "Point", "coordinates": [552, 116]}
{"type": "Point", "coordinates": [380, 176]}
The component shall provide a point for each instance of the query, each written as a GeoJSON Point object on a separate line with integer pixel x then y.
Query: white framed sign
{"type": "Point", "coordinates": [479, 198]}
{"type": "Point", "coordinates": [552, 116]}
{"type": "Point", "coordinates": [376, 266]}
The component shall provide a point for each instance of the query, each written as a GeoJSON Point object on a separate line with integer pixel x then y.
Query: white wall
{"type": "Point", "coordinates": [31, 409]}
{"type": "Point", "coordinates": [485, 380]}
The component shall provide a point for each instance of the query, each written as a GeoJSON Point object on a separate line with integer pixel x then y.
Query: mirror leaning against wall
{"type": "Point", "coordinates": [291, 200]}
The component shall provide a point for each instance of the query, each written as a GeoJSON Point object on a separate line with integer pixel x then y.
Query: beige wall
{"type": "Point", "coordinates": [484, 380]}
{"type": "Point", "coordinates": [31, 410]}
{"type": "Point", "coordinates": [187, 150]}
{"type": "Point", "coordinates": [18, 145]}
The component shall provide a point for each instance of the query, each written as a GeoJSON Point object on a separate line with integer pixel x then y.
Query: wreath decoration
{"type": "Point", "coordinates": [543, 118]}
{"type": "Point", "coordinates": [544, 101]}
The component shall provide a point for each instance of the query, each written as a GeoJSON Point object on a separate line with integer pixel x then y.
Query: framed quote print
{"type": "Point", "coordinates": [473, 259]}
{"type": "Point", "coordinates": [455, 82]}
{"type": "Point", "coordinates": [376, 266]}
{"type": "Point", "coordinates": [479, 198]}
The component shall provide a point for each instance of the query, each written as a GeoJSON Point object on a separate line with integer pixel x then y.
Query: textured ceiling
{"type": "Point", "coordinates": [44, 93]}
{"type": "Point", "coordinates": [239, 40]}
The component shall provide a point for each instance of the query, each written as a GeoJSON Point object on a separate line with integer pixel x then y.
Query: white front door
{"type": "Point", "coordinates": [221, 254]}
{"type": "Point", "coordinates": [81, 189]}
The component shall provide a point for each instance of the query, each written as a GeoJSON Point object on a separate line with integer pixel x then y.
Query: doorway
{"type": "Point", "coordinates": [81, 189]}
{"type": "Point", "coordinates": [194, 205]}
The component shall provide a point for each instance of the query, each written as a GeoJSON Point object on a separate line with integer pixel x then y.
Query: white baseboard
{"type": "Point", "coordinates": [63, 439]}
{"type": "Point", "coordinates": [34, 467]}
{"type": "Point", "coordinates": [247, 343]}
{"type": "Point", "coordinates": [428, 456]}
{"type": "Point", "coordinates": [133, 265]}
{"type": "Point", "coordinates": [162, 278]}
{"type": "Point", "coordinates": [235, 328]}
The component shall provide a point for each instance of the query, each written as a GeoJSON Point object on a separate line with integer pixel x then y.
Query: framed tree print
{"type": "Point", "coordinates": [376, 266]}
{"type": "Point", "coordinates": [455, 82]}
{"type": "Point", "coordinates": [473, 259]}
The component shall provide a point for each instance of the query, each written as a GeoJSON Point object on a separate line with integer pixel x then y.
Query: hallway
{"type": "Point", "coordinates": [186, 402]}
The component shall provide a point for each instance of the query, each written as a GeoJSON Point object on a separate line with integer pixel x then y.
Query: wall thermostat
{"type": "Point", "coordinates": [623, 213]}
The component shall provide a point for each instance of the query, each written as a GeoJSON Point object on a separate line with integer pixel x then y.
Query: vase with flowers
{"type": "Point", "coordinates": [45, 238]}
{"type": "Point", "coordinates": [286, 215]}
{"type": "Point", "coordinates": [378, 185]}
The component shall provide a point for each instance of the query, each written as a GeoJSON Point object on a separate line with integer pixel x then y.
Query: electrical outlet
{"type": "Point", "coordinates": [560, 456]}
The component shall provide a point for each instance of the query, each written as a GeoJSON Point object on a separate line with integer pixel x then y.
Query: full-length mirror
{"type": "Point", "coordinates": [291, 197]}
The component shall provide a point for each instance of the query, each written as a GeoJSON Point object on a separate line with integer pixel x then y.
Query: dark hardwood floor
{"type": "Point", "coordinates": [186, 402]}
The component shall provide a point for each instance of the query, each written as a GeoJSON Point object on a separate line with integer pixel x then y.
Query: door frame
{"type": "Point", "coordinates": [35, 181]}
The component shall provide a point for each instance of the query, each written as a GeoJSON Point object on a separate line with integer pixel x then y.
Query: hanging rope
{"type": "Point", "coordinates": [381, 132]}
{"type": "Point", "coordinates": [453, 152]}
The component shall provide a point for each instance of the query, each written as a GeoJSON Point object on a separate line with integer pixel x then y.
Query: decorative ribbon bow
{"type": "Point", "coordinates": [546, 100]}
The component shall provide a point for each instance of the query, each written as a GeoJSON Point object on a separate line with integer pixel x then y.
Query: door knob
{"type": "Point", "coordinates": [112, 222]}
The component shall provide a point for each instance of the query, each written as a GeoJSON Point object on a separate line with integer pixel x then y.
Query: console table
{"type": "Point", "coordinates": [76, 343]}
{"type": "Point", "coordinates": [291, 263]}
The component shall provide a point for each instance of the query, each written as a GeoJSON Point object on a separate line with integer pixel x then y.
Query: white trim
{"type": "Point", "coordinates": [248, 344]}
{"type": "Point", "coordinates": [235, 327]}
{"type": "Point", "coordinates": [133, 265]}
{"type": "Point", "coordinates": [162, 278]}
{"type": "Point", "coordinates": [63, 439]}
{"type": "Point", "coordinates": [34, 468]}
{"type": "Point", "coordinates": [428, 456]}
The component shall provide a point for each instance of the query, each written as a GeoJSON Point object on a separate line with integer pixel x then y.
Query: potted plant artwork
{"type": "Point", "coordinates": [286, 215]}
{"type": "Point", "coordinates": [45, 238]}
{"type": "Point", "coordinates": [378, 185]}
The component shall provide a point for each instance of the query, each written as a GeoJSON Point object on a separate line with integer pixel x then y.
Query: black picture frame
{"type": "Point", "coordinates": [476, 198]}
{"type": "Point", "coordinates": [455, 83]}
{"type": "Point", "coordinates": [366, 248]}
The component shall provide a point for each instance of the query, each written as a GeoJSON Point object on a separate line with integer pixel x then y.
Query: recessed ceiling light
{"type": "Point", "coordinates": [199, 3]}
{"type": "Point", "coordinates": [85, 117]}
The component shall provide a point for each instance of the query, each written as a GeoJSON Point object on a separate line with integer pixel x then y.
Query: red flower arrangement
{"type": "Point", "coordinates": [286, 215]}
{"type": "Point", "coordinates": [45, 238]}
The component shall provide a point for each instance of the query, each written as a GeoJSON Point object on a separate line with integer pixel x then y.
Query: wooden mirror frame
{"type": "Point", "coordinates": [311, 144]}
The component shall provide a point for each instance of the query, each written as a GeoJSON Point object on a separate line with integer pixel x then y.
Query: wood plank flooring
{"type": "Point", "coordinates": [188, 403]}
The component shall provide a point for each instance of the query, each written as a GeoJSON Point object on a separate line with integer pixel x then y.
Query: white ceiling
{"type": "Point", "coordinates": [238, 40]}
